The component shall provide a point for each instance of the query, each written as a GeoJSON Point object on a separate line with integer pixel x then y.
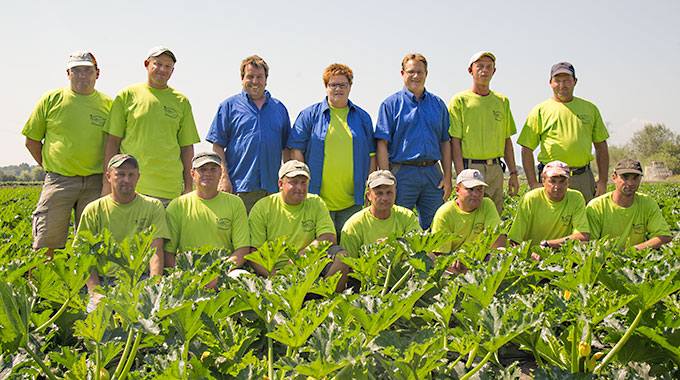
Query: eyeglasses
{"type": "Point", "coordinates": [412, 73]}
{"type": "Point", "coordinates": [340, 86]}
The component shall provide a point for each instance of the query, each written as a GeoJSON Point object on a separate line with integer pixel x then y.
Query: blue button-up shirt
{"type": "Point", "coordinates": [309, 135]}
{"type": "Point", "coordinates": [414, 128]}
{"type": "Point", "coordinates": [252, 139]}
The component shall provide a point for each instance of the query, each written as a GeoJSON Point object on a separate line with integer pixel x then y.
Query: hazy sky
{"type": "Point", "coordinates": [626, 53]}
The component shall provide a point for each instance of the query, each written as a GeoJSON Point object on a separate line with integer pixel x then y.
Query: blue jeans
{"type": "Point", "coordinates": [417, 186]}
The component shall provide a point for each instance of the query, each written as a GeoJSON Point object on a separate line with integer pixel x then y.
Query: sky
{"type": "Point", "coordinates": [625, 53]}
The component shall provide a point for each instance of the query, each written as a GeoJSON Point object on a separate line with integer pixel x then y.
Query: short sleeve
{"type": "Point", "coordinates": [599, 129]}
{"type": "Point", "coordinates": [439, 224]}
{"type": "Point", "coordinates": [218, 129]}
{"type": "Point", "coordinates": [188, 134]}
{"type": "Point", "coordinates": [117, 120]}
{"type": "Point", "coordinates": [579, 219]}
{"type": "Point", "coordinates": [455, 117]}
{"type": "Point", "coordinates": [594, 221]}
{"type": "Point", "coordinates": [159, 221]}
{"type": "Point", "coordinates": [37, 123]}
{"type": "Point", "coordinates": [519, 228]}
{"type": "Point", "coordinates": [324, 223]}
{"type": "Point", "coordinates": [173, 222]}
{"type": "Point", "coordinates": [302, 128]}
{"type": "Point", "coordinates": [511, 129]}
{"type": "Point", "coordinates": [384, 126]}
{"type": "Point", "coordinates": [656, 224]}
{"type": "Point", "coordinates": [240, 234]}
{"type": "Point", "coordinates": [257, 223]}
{"type": "Point", "coordinates": [530, 137]}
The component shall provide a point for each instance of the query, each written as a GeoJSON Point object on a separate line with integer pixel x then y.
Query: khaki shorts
{"type": "Point", "coordinates": [493, 176]}
{"type": "Point", "coordinates": [585, 183]}
{"type": "Point", "coordinates": [60, 195]}
{"type": "Point", "coordinates": [251, 197]}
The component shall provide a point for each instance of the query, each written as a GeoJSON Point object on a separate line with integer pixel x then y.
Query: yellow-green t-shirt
{"type": "Point", "coordinates": [363, 228]}
{"type": "Point", "coordinates": [123, 220]}
{"type": "Point", "coordinates": [271, 218]}
{"type": "Point", "coordinates": [220, 222]}
{"type": "Point", "coordinates": [632, 225]}
{"type": "Point", "coordinates": [72, 128]}
{"type": "Point", "coordinates": [450, 218]}
{"type": "Point", "coordinates": [153, 125]}
{"type": "Point", "coordinates": [538, 218]}
{"type": "Point", "coordinates": [483, 123]}
{"type": "Point", "coordinates": [565, 131]}
{"type": "Point", "coordinates": [337, 180]}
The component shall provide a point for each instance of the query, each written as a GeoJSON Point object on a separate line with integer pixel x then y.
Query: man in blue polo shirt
{"type": "Point", "coordinates": [249, 134]}
{"type": "Point", "coordinates": [412, 134]}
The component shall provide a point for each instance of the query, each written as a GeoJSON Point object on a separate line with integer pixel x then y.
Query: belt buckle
{"type": "Point", "coordinates": [489, 162]}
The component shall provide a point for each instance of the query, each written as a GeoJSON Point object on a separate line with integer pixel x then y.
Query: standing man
{"type": "Point", "coordinates": [412, 134]}
{"type": "Point", "coordinates": [154, 123]}
{"type": "Point", "coordinates": [481, 126]}
{"type": "Point", "coordinates": [335, 137]}
{"type": "Point", "coordinates": [550, 215]}
{"type": "Point", "coordinates": [301, 216]}
{"type": "Point", "coordinates": [633, 218]}
{"type": "Point", "coordinates": [379, 220]}
{"type": "Point", "coordinates": [566, 126]}
{"type": "Point", "coordinates": [124, 213]}
{"type": "Point", "coordinates": [64, 135]}
{"type": "Point", "coordinates": [207, 216]}
{"type": "Point", "coordinates": [249, 133]}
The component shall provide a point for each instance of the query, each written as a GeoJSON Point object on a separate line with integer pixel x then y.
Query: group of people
{"type": "Point", "coordinates": [129, 163]}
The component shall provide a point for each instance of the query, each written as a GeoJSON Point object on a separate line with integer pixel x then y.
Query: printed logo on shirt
{"type": "Point", "coordinates": [498, 115]}
{"type": "Point", "coordinates": [169, 112]}
{"type": "Point", "coordinates": [141, 223]}
{"type": "Point", "coordinates": [97, 121]}
{"type": "Point", "coordinates": [223, 223]}
{"type": "Point", "coordinates": [638, 229]}
{"type": "Point", "coordinates": [478, 228]}
{"type": "Point", "coordinates": [585, 119]}
{"type": "Point", "coordinates": [566, 220]}
{"type": "Point", "coordinates": [308, 225]}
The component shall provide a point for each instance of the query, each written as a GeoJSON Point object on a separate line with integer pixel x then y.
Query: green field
{"type": "Point", "coordinates": [586, 312]}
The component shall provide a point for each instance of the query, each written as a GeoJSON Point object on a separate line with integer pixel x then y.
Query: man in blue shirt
{"type": "Point", "coordinates": [411, 136]}
{"type": "Point", "coordinates": [335, 138]}
{"type": "Point", "coordinates": [249, 134]}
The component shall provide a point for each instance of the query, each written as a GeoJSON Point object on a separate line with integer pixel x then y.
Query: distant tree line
{"type": "Point", "coordinates": [654, 142]}
{"type": "Point", "coordinates": [21, 173]}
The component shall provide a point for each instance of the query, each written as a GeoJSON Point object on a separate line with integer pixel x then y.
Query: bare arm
{"type": "Point", "coordinates": [35, 148]}
{"type": "Point", "coordinates": [446, 167]}
{"type": "Point", "coordinates": [457, 154]}
{"type": "Point", "coordinates": [372, 164]}
{"type": "Point", "coordinates": [259, 269]}
{"type": "Point", "coordinates": [169, 259]}
{"type": "Point", "coordinates": [156, 261]}
{"type": "Point", "coordinates": [112, 148]}
{"type": "Point", "coordinates": [296, 154]}
{"type": "Point", "coordinates": [509, 156]}
{"type": "Point", "coordinates": [528, 164]}
{"type": "Point", "coordinates": [582, 236]}
{"type": "Point", "coordinates": [500, 242]}
{"type": "Point", "coordinates": [655, 242]}
{"type": "Point", "coordinates": [237, 257]}
{"type": "Point", "coordinates": [285, 155]}
{"type": "Point", "coordinates": [186, 153]}
{"type": "Point", "coordinates": [225, 182]}
{"type": "Point", "coordinates": [92, 283]}
{"type": "Point", "coordinates": [602, 157]}
{"type": "Point", "coordinates": [381, 154]}
{"type": "Point", "coordinates": [330, 237]}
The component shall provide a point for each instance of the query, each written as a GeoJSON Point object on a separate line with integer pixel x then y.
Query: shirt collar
{"type": "Point", "coordinates": [412, 96]}
{"type": "Point", "coordinates": [267, 95]}
{"type": "Point", "coordinates": [326, 107]}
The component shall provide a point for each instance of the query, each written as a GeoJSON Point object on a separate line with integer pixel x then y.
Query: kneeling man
{"type": "Point", "coordinates": [302, 217]}
{"type": "Point", "coordinates": [381, 219]}
{"type": "Point", "coordinates": [552, 214]}
{"type": "Point", "coordinates": [634, 218]}
{"type": "Point", "coordinates": [206, 216]}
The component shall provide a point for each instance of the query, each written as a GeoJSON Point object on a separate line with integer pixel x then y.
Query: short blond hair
{"type": "Point", "coordinates": [413, 56]}
{"type": "Point", "coordinates": [255, 61]}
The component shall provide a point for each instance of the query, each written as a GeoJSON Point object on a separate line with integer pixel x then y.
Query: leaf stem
{"type": "Point", "coordinates": [620, 343]}
{"type": "Point", "coordinates": [131, 358]}
{"type": "Point", "coordinates": [54, 317]}
{"type": "Point", "coordinates": [42, 365]}
{"type": "Point", "coordinates": [478, 366]}
{"type": "Point", "coordinates": [126, 351]}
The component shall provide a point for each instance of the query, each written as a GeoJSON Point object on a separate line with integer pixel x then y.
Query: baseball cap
{"type": "Point", "coordinates": [203, 158]}
{"type": "Point", "coordinates": [158, 50]}
{"type": "Point", "coordinates": [557, 169]}
{"type": "Point", "coordinates": [478, 55]}
{"type": "Point", "coordinates": [470, 178]}
{"type": "Point", "coordinates": [81, 58]}
{"type": "Point", "coordinates": [380, 177]}
{"type": "Point", "coordinates": [628, 165]}
{"type": "Point", "coordinates": [294, 168]}
{"type": "Point", "coordinates": [562, 68]}
{"type": "Point", "coordinates": [119, 159]}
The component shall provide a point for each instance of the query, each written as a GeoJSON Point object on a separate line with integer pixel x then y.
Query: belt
{"type": "Point", "coordinates": [490, 161]}
{"type": "Point", "coordinates": [417, 163]}
{"type": "Point", "coordinates": [579, 170]}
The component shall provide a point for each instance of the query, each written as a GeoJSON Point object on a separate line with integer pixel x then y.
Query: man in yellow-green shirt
{"type": "Point", "coordinates": [566, 126]}
{"type": "Point", "coordinates": [154, 123]}
{"type": "Point", "coordinates": [467, 215]}
{"type": "Point", "coordinates": [381, 219]}
{"type": "Point", "coordinates": [206, 216]}
{"type": "Point", "coordinates": [335, 138]}
{"type": "Point", "coordinates": [631, 217]}
{"type": "Point", "coordinates": [481, 127]}
{"type": "Point", "coordinates": [550, 215]}
{"type": "Point", "coordinates": [124, 213]}
{"type": "Point", "coordinates": [64, 135]}
{"type": "Point", "coordinates": [300, 216]}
